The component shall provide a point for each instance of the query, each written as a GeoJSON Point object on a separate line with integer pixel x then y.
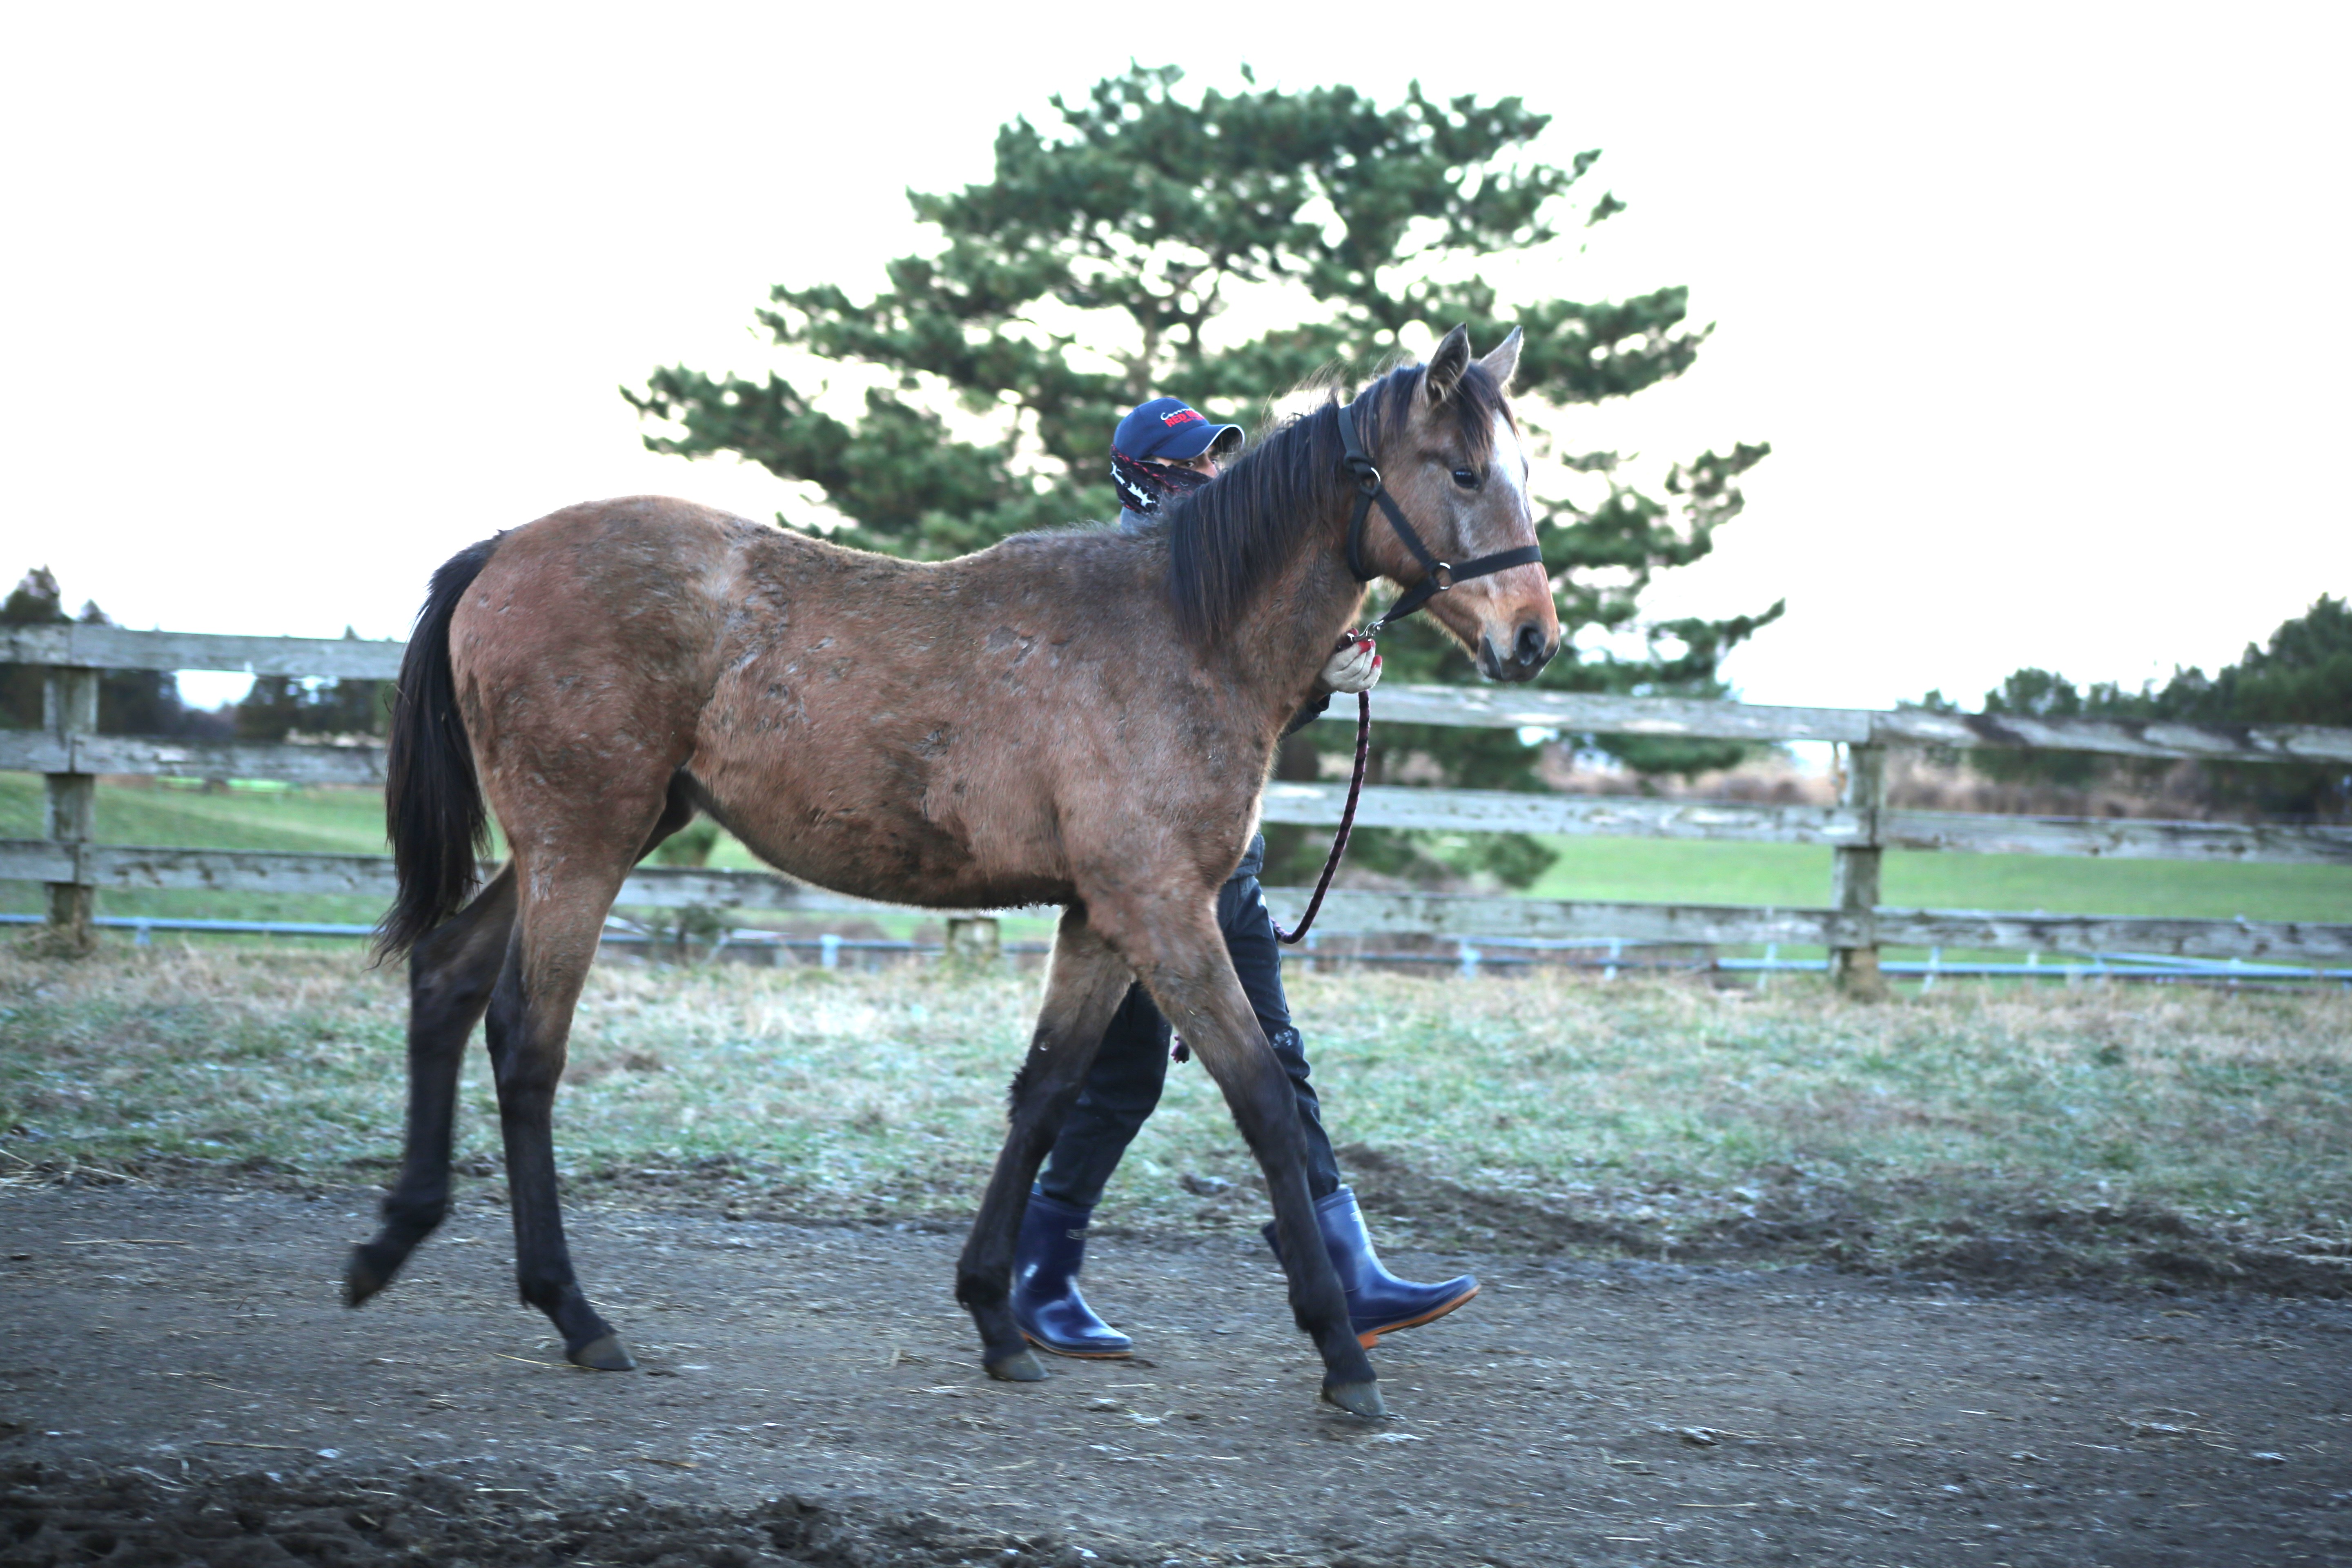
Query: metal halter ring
{"type": "Point", "coordinates": [1442, 575]}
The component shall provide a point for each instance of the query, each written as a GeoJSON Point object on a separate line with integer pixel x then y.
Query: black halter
{"type": "Point", "coordinates": [1436, 575]}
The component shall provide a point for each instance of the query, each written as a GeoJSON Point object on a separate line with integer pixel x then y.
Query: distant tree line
{"type": "Point", "coordinates": [283, 705]}
{"type": "Point", "coordinates": [148, 701]}
{"type": "Point", "coordinates": [2302, 675]}
{"type": "Point", "coordinates": [129, 701]}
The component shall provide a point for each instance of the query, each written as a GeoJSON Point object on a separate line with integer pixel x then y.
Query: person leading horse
{"type": "Point", "coordinates": [1162, 450]}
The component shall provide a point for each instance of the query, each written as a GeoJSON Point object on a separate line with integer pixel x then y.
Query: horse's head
{"type": "Point", "coordinates": [1454, 464]}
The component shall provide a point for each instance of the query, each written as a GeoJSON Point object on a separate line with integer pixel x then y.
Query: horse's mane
{"type": "Point", "coordinates": [1228, 541]}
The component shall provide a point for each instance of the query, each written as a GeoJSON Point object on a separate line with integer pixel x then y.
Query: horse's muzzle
{"type": "Point", "coordinates": [1530, 650]}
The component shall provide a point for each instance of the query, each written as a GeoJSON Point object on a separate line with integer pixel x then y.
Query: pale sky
{"type": "Point", "coordinates": [2041, 307]}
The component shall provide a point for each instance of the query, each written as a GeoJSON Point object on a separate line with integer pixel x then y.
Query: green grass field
{"type": "Point", "coordinates": [343, 821]}
{"type": "Point", "coordinates": [1794, 874]}
{"type": "Point", "coordinates": [1660, 1112]}
{"type": "Point", "coordinates": [1656, 870]}
{"type": "Point", "coordinates": [333, 820]}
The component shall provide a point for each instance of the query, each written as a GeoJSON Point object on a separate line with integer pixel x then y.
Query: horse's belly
{"type": "Point", "coordinates": [881, 828]}
{"type": "Point", "coordinates": [884, 855]}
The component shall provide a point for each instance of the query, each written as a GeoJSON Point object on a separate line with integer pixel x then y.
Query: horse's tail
{"type": "Point", "coordinates": [432, 807]}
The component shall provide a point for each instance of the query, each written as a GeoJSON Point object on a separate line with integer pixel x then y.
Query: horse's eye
{"type": "Point", "coordinates": [1466, 478]}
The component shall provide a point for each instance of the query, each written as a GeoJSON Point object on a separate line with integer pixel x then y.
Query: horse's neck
{"type": "Point", "coordinates": [1280, 646]}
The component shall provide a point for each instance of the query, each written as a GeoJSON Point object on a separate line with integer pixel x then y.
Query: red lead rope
{"type": "Point", "coordinates": [1347, 821]}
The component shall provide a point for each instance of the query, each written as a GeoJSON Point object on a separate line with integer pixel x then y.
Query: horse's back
{"type": "Point", "coordinates": [921, 732]}
{"type": "Point", "coordinates": [661, 582]}
{"type": "Point", "coordinates": [910, 731]}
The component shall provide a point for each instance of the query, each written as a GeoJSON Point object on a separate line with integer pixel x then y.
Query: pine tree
{"type": "Point", "coordinates": [1107, 260]}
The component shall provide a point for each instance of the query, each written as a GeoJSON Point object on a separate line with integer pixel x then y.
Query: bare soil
{"type": "Point", "coordinates": [178, 1384]}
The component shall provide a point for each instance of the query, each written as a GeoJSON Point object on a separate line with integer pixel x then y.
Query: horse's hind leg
{"type": "Point", "coordinates": [450, 974]}
{"type": "Point", "coordinates": [1083, 988]}
{"type": "Point", "coordinates": [528, 1024]}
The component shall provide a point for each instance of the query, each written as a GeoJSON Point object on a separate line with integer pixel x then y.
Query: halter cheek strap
{"type": "Point", "coordinates": [1436, 576]}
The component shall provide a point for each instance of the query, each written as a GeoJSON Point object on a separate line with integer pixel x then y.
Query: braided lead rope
{"type": "Point", "coordinates": [1347, 820]}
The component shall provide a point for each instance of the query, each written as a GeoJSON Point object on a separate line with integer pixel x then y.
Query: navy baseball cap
{"type": "Point", "coordinates": [1165, 430]}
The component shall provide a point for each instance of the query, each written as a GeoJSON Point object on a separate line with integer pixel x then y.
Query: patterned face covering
{"type": "Point", "coordinates": [1142, 486]}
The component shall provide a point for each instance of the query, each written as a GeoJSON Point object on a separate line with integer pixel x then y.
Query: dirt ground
{"type": "Point", "coordinates": [178, 1384]}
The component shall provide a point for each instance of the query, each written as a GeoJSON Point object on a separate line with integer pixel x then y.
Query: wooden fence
{"type": "Point", "coordinates": [1854, 925]}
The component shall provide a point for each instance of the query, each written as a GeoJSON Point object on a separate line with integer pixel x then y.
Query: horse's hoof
{"type": "Point", "coordinates": [1356, 1399]}
{"type": "Point", "coordinates": [1023, 1366]}
{"type": "Point", "coordinates": [604, 1354]}
{"type": "Point", "coordinates": [360, 1281]}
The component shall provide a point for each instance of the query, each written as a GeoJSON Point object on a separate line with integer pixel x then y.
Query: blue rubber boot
{"type": "Point", "coordinates": [1045, 1301]}
{"type": "Point", "coordinates": [1378, 1301]}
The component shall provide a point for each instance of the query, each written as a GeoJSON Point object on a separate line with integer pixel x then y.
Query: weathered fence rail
{"type": "Point", "coordinates": [70, 755]}
{"type": "Point", "coordinates": [1493, 708]}
{"type": "Point", "coordinates": [123, 868]}
{"type": "Point", "coordinates": [119, 647]}
{"type": "Point", "coordinates": [30, 751]}
{"type": "Point", "coordinates": [1493, 811]}
{"type": "Point", "coordinates": [1496, 708]}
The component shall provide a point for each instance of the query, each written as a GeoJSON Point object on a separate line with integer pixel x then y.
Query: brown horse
{"type": "Point", "coordinates": [1082, 718]}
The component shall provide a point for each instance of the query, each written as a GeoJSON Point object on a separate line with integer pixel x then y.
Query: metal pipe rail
{"type": "Point", "coordinates": [1609, 957]}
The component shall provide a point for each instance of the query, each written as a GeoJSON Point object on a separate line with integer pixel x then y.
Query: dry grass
{"type": "Point", "coordinates": [1652, 1113]}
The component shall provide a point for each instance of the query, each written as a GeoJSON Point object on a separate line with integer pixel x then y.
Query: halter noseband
{"type": "Point", "coordinates": [1436, 575]}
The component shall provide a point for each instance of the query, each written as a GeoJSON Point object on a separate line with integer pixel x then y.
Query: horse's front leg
{"type": "Point", "coordinates": [450, 974]}
{"type": "Point", "coordinates": [1084, 983]}
{"type": "Point", "coordinates": [1181, 960]}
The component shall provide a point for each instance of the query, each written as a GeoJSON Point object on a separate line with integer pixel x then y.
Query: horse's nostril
{"type": "Point", "coordinates": [1531, 644]}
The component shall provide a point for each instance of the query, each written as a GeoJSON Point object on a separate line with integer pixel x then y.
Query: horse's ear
{"type": "Point", "coordinates": [1502, 361]}
{"type": "Point", "coordinates": [1446, 365]}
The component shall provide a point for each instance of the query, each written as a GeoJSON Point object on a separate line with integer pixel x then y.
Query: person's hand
{"type": "Point", "coordinates": [1354, 668]}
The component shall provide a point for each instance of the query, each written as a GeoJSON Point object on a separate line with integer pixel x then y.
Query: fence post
{"type": "Point", "coordinates": [69, 708]}
{"type": "Point", "coordinates": [973, 939]}
{"type": "Point", "coordinates": [1853, 874]}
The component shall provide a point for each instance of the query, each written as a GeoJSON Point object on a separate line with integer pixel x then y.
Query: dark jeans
{"type": "Point", "coordinates": [1123, 1086]}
